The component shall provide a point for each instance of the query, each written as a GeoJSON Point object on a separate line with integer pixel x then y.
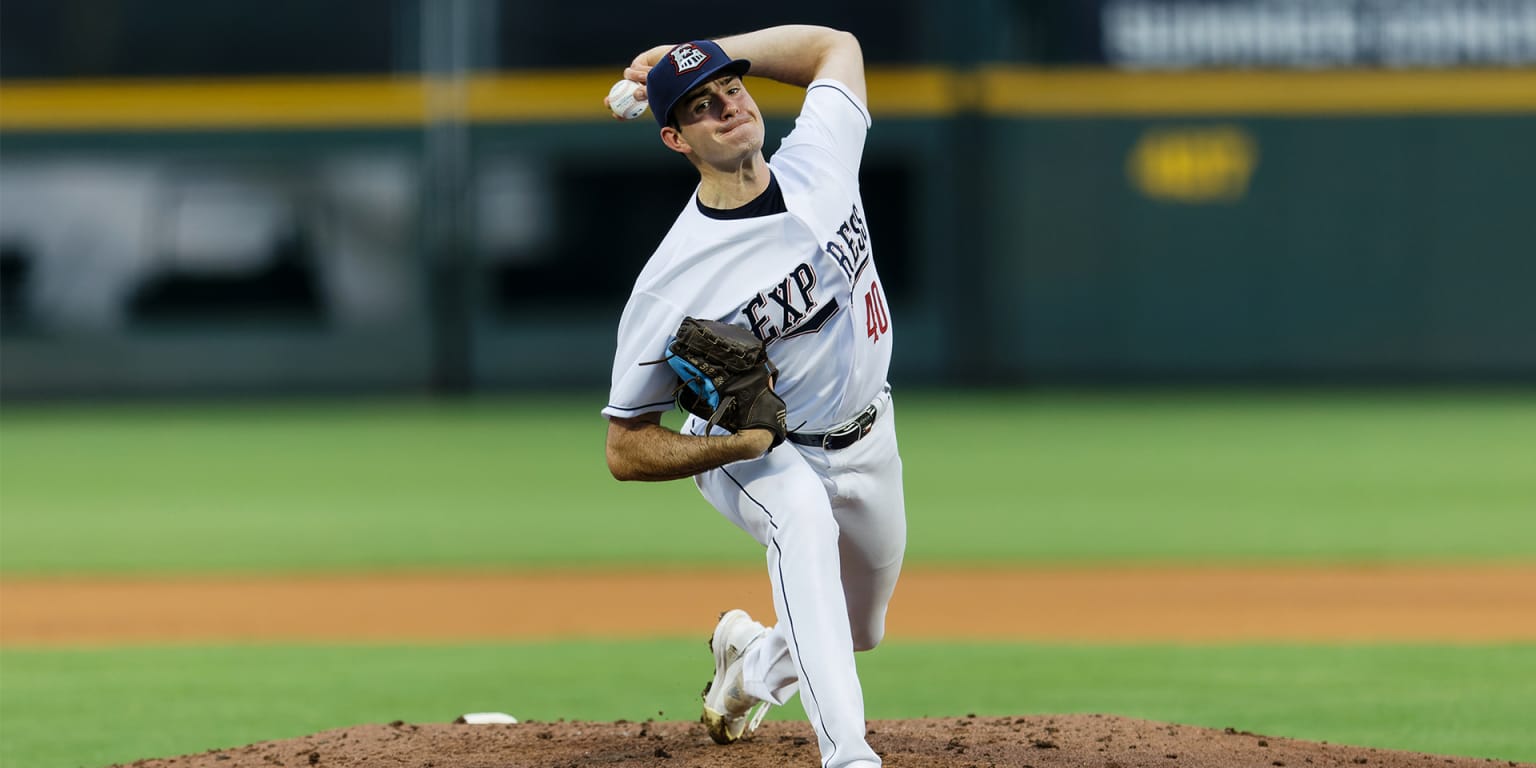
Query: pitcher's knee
{"type": "Point", "coordinates": [866, 638]}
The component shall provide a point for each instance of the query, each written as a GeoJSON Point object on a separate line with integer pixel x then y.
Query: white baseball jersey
{"type": "Point", "coordinates": [802, 280]}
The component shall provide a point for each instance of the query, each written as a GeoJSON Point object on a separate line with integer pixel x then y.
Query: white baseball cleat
{"type": "Point", "coordinates": [728, 711]}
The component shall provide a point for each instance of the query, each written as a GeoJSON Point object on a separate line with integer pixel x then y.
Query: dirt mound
{"type": "Point", "coordinates": [1048, 741]}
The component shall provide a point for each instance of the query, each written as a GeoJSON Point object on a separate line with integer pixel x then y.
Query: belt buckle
{"type": "Point", "coordinates": [860, 425]}
{"type": "Point", "coordinates": [826, 440]}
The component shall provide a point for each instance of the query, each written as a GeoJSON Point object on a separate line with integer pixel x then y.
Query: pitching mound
{"type": "Point", "coordinates": [1050, 741]}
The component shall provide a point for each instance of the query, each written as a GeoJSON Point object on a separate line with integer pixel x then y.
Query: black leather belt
{"type": "Point", "coordinates": [842, 437]}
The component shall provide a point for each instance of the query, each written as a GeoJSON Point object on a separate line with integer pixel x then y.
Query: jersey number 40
{"type": "Point", "coordinates": [876, 322]}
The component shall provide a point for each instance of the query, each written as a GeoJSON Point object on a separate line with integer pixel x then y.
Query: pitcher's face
{"type": "Point", "coordinates": [720, 121]}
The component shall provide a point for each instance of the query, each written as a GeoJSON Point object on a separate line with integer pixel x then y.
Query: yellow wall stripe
{"type": "Point", "coordinates": [274, 103]}
{"type": "Point", "coordinates": [1023, 92]}
{"type": "Point", "coordinates": [234, 103]}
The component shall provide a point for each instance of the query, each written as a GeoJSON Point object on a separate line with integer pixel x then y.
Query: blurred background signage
{"type": "Point", "coordinates": [1318, 33]}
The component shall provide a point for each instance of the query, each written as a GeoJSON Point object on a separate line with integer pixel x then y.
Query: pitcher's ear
{"type": "Point", "coordinates": [674, 140]}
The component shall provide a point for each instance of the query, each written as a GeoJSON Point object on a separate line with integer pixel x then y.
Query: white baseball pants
{"type": "Point", "coordinates": [834, 526]}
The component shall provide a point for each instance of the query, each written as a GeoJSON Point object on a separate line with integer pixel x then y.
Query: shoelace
{"type": "Point", "coordinates": [762, 708]}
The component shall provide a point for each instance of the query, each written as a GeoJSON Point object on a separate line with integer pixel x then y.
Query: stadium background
{"type": "Point", "coordinates": [352, 195]}
{"type": "Point", "coordinates": [1292, 239]}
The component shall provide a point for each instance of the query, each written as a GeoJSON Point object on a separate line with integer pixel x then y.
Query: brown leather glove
{"type": "Point", "coordinates": [727, 378]}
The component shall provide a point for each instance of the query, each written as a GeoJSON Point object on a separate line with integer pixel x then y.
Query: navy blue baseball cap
{"type": "Point", "coordinates": [684, 68]}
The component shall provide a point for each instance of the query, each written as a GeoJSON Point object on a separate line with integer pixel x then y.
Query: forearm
{"type": "Point", "coordinates": [796, 53]}
{"type": "Point", "coordinates": [645, 450]}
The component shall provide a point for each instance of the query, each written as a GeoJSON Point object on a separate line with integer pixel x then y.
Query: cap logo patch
{"type": "Point", "coordinates": [687, 57]}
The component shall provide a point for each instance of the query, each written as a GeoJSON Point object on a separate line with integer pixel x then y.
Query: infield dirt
{"type": "Point", "coordinates": [1450, 604]}
{"type": "Point", "coordinates": [1057, 741]}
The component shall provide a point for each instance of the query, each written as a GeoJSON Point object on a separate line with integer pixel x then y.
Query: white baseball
{"type": "Point", "coordinates": [621, 99]}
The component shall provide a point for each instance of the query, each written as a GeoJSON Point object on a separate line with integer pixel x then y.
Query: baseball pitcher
{"type": "Point", "coordinates": [762, 314]}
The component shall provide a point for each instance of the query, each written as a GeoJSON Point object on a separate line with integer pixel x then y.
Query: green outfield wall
{"type": "Point", "coordinates": [1272, 247]}
{"type": "Point", "coordinates": [477, 228]}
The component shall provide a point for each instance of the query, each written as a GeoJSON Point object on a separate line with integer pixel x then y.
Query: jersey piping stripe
{"type": "Point", "coordinates": [847, 96]}
{"type": "Point", "coordinates": [638, 407]}
{"type": "Point", "coordinates": [789, 616]}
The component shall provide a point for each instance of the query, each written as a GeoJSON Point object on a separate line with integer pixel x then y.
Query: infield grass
{"type": "Point", "coordinates": [992, 478]}
{"type": "Point", "coordinates": [92, 707]}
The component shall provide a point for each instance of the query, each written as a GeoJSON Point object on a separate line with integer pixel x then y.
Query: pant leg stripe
{"type": "Point", "coordinates": [748, 494]}
{"type": "Point", "coordinates": [789, 615]}
{"type": "Point", "coordinates": [805, 679]}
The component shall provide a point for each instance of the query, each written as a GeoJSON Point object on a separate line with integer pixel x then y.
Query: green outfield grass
{"type": "Point", "coordinates": [999, 478]}
{"type": "Point", "coordinates": [93, 707]}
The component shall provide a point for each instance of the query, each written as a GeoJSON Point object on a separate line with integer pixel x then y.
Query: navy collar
{"type": "Point", "coordinates": [771, 201]}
